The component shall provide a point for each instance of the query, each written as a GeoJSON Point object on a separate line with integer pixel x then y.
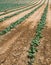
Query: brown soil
{"type": "Point", "coordinates": [20, 29]}
{"type": "Point", "coordinates": [1, 12]}
{"type": "Point", "coordinates": [43, 57]}
{"type": "Point", "coordinates": [15, 44]}
{"type": "Point", "coordinates": [20, 39]}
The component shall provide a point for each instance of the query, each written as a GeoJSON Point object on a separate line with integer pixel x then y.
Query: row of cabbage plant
{"type": "Point", "coordinates": [6, 17]}
{"type": "Point", "coordinates": [13, 25]}
{"type": "Point", "coordinates": [36, 41]}
{"type": "Point", "coordinates": [16, 9]}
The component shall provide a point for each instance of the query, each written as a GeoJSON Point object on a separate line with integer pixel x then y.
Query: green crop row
{"type": "Point", "coordinates": [35, 42]}
{"type": "Point", "coordinates": [17, 9]}
{"type": "Point", "coordinates": [8, 5]}
{"type": "Point", "coordinates": [19, 21]}
{"type": "Point", "coordinates": [6, 12]}
{"type": "Point", "coordinates": [2, 19]}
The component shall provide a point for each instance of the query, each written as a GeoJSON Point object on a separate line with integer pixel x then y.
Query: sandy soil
{"type": "Point", "coordinates": [32, 18]}
{"type": "Point", "coordinates": [15, 44]}
{"type": "Point", "coordinates": [43, 57]}
{"type": "Point", "coordinates": [1, 12]}
{"type": "Point", "coordinates": [23, 35]}
{"type": "Point", "coordinates": [49, 17]}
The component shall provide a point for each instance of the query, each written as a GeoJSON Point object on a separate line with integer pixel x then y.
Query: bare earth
{"type": "Point", "coordinates": [15, 44]}
{"type": "Point", "coordinates": [43, 57]}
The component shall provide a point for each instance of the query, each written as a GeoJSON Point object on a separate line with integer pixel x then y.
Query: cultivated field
{"type": "Point", "coordinates": [25, 33]}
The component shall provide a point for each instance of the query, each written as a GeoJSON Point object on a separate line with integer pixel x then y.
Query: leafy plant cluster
{"type": "Point", "coordinates": [19, 21]}
{"type": "Point", "coordinates": [2, 19]}
{"type": "Point", "coordinates": [7, 6]}
{"type": "Point", "coordinates": [35, 42]}
{"type": "Point", "coordinates": [19, 8]}
{"type": "Point", "coordinates": [12, 10]}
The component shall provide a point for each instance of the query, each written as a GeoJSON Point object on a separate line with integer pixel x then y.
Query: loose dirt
{"type": "Point", "coordinates": [18, 41]}
{"type": "Point", "coordinates": [15, 44]}
{"type": "Point", "coordinates": [43, 57]}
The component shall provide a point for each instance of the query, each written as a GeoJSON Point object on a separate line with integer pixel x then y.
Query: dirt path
{"type": "Point", "coordinates": [6, 23]}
